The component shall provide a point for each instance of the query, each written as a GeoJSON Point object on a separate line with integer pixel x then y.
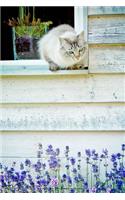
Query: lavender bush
{"type": "Point", "coordinates": [46, 174]}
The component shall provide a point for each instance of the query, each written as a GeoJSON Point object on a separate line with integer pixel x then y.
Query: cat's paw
{"type": "Point", "coordinates": [75, 67]}
{"type": "Point", "coordinates": [54, 67]}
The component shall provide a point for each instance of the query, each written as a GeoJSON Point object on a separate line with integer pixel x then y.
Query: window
{"type": "Point", "coordinates": [58, 15]}
{"type": "Point", "coordinates": [75, 16]}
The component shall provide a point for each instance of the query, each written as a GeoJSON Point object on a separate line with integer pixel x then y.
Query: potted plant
{"type": "Point", "coordinates": [26, 31]}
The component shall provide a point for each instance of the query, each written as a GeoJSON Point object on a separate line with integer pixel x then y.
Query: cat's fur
{"type": "Point", "coordinates": [61, 47]}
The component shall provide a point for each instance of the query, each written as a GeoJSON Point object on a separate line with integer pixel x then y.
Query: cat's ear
{"type": "Point", "coordinates": [64, 41]}
{"type": "Point", "coordinates": [81, 36]}
{"type": "Point", "coordinates": [81, 40]}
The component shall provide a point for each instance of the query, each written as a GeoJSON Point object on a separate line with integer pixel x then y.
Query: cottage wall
{"type": "Point", "coordinates": [83, 109]}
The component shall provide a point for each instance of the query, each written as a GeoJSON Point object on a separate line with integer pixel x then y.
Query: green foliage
{"type": "Point", "coordinates": [24, 25]}
{"type": "Point", "coordinates": [34, 31]}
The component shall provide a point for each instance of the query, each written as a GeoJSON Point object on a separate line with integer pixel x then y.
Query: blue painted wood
{"type": "Point", "coordinates": [14, 46]}
{"type": "Point", "coordinates": [32, 67]}
{"type": "Point", "coordinates": [102, 10]}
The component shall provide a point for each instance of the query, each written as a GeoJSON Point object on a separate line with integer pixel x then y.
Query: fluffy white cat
{"type": "Point", "coordinates": [62, 48]}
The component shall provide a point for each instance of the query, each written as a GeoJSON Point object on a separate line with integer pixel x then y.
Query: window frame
{"type": "Point", "coordinates": [40, 67]}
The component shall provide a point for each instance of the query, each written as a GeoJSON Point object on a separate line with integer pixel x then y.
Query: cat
{"type": "Point", "coordinates": [63, 48]}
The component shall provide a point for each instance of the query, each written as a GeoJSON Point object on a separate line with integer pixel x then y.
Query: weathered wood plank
{"type": "Point", "coordinates": [89, 88]}
{"type": "Point", "coordinates": [78, 141]}
{"type": "Point", "coordinates": [102, 10]}
{"type": "Point", "coordinates": [65, 117]}
{"type": "Point", "coordinates": [32, 67]}
{"type": "Point", "coordinates": [107, 29]}
{"type": "Point", "coordinates": [106, 58]}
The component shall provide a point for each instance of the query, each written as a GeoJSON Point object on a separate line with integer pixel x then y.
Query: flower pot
{"type": "Point", "coordinates": [25, 45]}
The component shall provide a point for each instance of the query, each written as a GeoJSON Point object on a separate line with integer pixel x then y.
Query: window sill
{"type": "Point", "coordinates": [32, 67]}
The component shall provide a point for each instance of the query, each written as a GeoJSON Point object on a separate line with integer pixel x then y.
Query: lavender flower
{"type": "Point", "coordinates": [46, 176]}
{"type": "Point", "coordinates": [27, 162]}
{"type": "Point", "coordinates": [72, 190]}
{"type": "Point", "coordinates": [88, 152]}
{"type": "Point", "coordinates": [54, 182]}
{"type": "Point", "coordinates": [72, 160]}
{"type": "Point", "coordinates": [79, 154]}
{"type": "Point", "coordinates": [113, 157]}
{"type": "Point", "coordinates": [123, 147]}
{"type": "Point", "coordinates": [94, 168]}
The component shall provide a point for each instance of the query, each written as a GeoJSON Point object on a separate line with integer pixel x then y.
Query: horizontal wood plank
{"type": "Point", "coordinates": [106, 29]}
{"type": "Point", "coordinates": [104, 10]}
{"type": "Point", "coordinates": [63, 117]}
{"type": "Point", "coordinates": [26, 143]}
{"type": "Point", "coordinates": [106, 59]}
{"type": "Point", "coordinates": [62, 89]}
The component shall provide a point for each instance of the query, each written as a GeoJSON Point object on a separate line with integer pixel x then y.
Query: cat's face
{"type": "Point", "coordinates": [73, 46]}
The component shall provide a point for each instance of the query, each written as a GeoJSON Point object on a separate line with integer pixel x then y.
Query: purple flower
{"type": "Point", "coordinates": [88, 152]}
{"type": "Point", "coordinates": [54, 182]}
{"type": "Point", "coordinates": [50, 146]}
{"type": "Point", "coordinates": [72, 190]}
{"type": "Point", "coordinates": [79, 167]}
{"type": "Point", "coordinates": [40, 146]}
{"type": "Point", "coordinates": [105, 151]}
{"type": "Point", "coordinates": [27, 162]}
{"type": "Point", "coordinates": [43, 182]}
{"type": "Point", "coordinates": [67, 148]}
{"type": "Point", "coordinates": [57, 151]}
{"type": "Point", "coordinates": [119, 184]}
{"type": "Point", "coordinates": [72, 160]}
{"type": "Point", "coordinates": [67, 152]}
{"type": "Point", "coordinates": [21, 166]}
{"type": "Point", "coordinates": [119, 156]}
{"type": "Point", "coordinates": [53, 162]}
{"type": "Point", "coordinates": [39, 177]}
{"type": "Point", "coordinates": [37, 166]}
{"type": "Point", "coordinates": [69, 180]}
{"type": "Point", "coordinates": [113, 157]}
{"type": "Point", "coordinates": [115, 164]}
{"type": "Point", "coordinates": [64, 177]}
{"type": "Point", "coordinates": [1, 178]}
{"type": "Point", "coordinates": [74, 170]}
{"type": "Point", "coordinates": [108, 190]}
{"type": "Point", "coordinates": [94, 155]}
{"type": "Point", "coordinates": [38, 154]}
{"type": "Point", "coordinates": [93, 190]}
{"type": "Point", "coordinates": [80, 177]}
{"type": "Point", "coordinates": [85, 185]}
{"type": "Point", "coordinates": [43, 165]}
{"type": "Point", "coordinates": [79, 154]}
{"type": "Point", "coordinates": [1, 166]}
{"type": "Point", "coordinates": [76, 179]}
{"type": "Point", "coordinates": [123, 147]}
{"type": "Point", "coordinates": [67, 166]}
{"type": "Point", "coordinates": [94, 168]}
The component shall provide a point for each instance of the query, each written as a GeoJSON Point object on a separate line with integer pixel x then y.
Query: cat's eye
{"type": "Point", "coordinates": [82, 49]}
{"type": "Point", "coordinates": [71, 52]}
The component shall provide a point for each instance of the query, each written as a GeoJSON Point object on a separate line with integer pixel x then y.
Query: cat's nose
{"type": "Point", "coordinates": [77, 57]}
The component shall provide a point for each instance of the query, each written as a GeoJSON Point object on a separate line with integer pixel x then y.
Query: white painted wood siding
{"type": "Point", "coordinates": [107, 29]}
{"type": "Point", "coordinates": [66, 117]}
{"type": "Point", "coordinates": [106, 38]}
{"type": "Point", "coordinates": [62, 89]}
{"type": "Point", "coordinates": [68, 107]}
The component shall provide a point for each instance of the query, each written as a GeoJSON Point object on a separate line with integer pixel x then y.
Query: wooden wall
{"type": "Point", "coordinates": [73, 108]}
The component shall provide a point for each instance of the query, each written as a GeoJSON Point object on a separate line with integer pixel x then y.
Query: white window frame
{"type": "Point", "coordinates": [81, 20]}
{"type": "Point", "coordinates": [40, 67]}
